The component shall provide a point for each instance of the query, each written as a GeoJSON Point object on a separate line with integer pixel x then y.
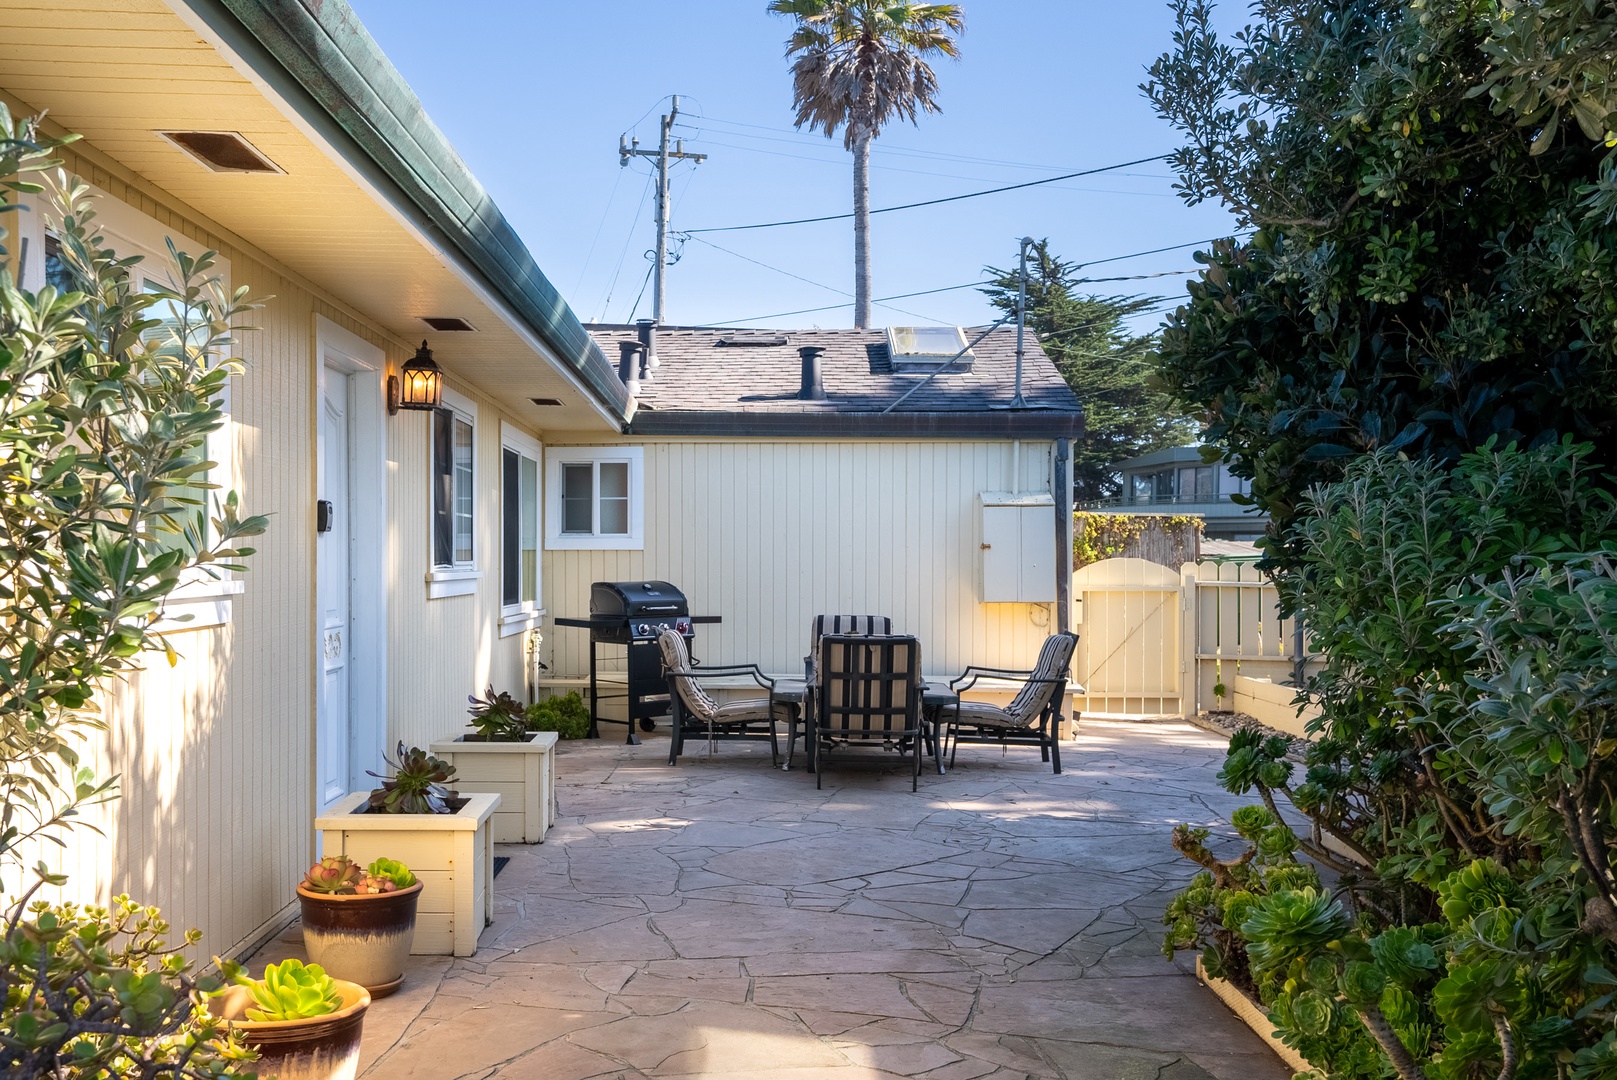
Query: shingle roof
{"type": "Point", "coordinates": [716, 370]}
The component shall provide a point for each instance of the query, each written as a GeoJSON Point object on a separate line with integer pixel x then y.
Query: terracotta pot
{"type": "Point", "coordinates": [364, 938]}
{"type": "Point", "coordinates": [319, 1048]}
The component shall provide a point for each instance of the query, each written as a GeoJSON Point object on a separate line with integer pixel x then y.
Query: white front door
{"type": "Point", "coordinates": [334, 729]}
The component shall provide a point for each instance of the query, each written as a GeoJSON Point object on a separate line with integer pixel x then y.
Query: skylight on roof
{"type": "Point", "coordinates": [925, 344]}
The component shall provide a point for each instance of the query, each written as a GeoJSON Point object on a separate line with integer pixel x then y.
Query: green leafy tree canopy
{"type": "Point", "coordinates": [1432, 263]}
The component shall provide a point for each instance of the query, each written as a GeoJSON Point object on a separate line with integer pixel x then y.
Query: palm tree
{"type": "Point", "coordinates": [859, 64]}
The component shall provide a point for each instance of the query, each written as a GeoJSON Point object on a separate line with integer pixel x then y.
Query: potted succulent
{"type": "Point", "coordinates": [359, 922]}
{"type": "Point", "coordinates": [304, 1024]}
{"type": "Point", "coordinates": [443, 835]}
{"type": "Point", "coordinates": [501, 755]}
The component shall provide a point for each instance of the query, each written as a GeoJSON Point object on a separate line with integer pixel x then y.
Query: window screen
{"type": "Point", "coordinates": [510, 527]}
{"type": "Point", "coordinates": [614, 498]}
{"type": "Point", "coordinates": [443, 488]}
{"type": "Point", "coordinates": [578, 498]}
{"type": "Point", "coordinates": [463, 491]}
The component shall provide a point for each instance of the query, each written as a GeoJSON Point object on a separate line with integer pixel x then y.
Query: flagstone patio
{"type": "Point", "coordinates": [727, 919]}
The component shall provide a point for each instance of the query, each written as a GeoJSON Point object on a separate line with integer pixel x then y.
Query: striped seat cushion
{"type": "Point", "coordinates": [751, 710]}
{"type": "Point", "coordinates": [982, 714]}
{"type": "Point", "coordinates": [842, 624]}
{"type": "Point", "coordinates": [1054, 659]}
{"type": "Point", "coordinates": [677, 659]}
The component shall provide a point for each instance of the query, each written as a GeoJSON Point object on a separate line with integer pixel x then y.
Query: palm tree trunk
{"type": "Point", "coordinates": [861, 228]}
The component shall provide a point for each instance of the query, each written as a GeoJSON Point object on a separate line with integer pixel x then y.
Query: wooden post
{"type": "Point", "coordinates": [1189, 633]}
{"type": "Point", "coordinates": [1062, 484]}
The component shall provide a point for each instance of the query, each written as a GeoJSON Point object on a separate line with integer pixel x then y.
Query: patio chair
{"type": "Point", "coordinates": [868, 693]}
{"type": "Point", "coordinates": [694, 711]}
{"type": "Point", "coordinates": [831, 624]}
{"type": "Point", "coordinates": [1033, 718]}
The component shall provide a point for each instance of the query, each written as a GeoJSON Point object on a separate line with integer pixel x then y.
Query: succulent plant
{"type": "Point", "coordinates": [416, 786]}
{"type": "Point", "coordinates": [391, 872]}
{"type": "Point", "coordinates": [292, 990]}
{"type": "Point", "coordinates": [333, 874]}
{"type": "Point", "coordinates": [499, 717]}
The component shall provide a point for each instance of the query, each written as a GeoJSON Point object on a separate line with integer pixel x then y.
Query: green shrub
{"type": "Point", "coordinates": [108, 394]}
{"type": "Point", "coordinates": [567, 716]}
{"type": "Point", "coordinates": [1460, 786]}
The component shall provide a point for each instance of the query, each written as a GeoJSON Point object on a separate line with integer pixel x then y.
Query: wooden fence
{"type": "Point", "coordinates": [1155, 642]}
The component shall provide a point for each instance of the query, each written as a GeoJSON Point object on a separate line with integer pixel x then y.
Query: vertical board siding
{"type": "Point", "coordinates": [214, 823]}
{"type": "Point", "coordinates": [439, 651]}
{"type": "Point", "coordinates": [769, 534]}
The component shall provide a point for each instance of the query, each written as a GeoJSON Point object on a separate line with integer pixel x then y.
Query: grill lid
{"type": "Point", "coordinates": [626, 599]}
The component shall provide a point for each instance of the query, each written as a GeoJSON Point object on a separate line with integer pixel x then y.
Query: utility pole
{"type": "Point", "coordinates": [1019, 402]}
{"type": "Point", "coordinates": [631, 149]}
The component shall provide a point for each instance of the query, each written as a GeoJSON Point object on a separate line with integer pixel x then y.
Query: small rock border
{"type": "Point", "coordinates": [1228, 723]}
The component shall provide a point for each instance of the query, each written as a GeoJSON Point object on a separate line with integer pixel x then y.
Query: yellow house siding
{"type": "Point", "coordinates": [214, 823]}
{"type": "Point", "coordinates": [443, 649]}
{"type": "Point", "coordinates": [770, 534]}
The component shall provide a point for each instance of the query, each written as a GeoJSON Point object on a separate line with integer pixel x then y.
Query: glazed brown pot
{"type": "Point", "coordinates": [318, 1048]}
{"type": "Point", "coordinates": [364, 938]}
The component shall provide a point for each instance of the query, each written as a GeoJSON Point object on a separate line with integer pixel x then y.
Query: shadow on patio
{"type": "Point", "coordinates": [723, 918]}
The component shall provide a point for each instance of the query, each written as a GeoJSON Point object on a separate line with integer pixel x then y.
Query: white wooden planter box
{"type": "Point", "coordinates": [452, 854]}
{"type": "Point", "coordinates": [522, 774]}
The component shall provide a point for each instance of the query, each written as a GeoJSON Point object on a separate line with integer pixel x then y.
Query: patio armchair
{"type": "Point", "coordinates": [831, 624]}
{"type": "Point", "coordinates": [1033, 717]}
{"type": "Point", "coordinates": [694, 711]}
{"type": "Point", "coordinates": [867, 693]}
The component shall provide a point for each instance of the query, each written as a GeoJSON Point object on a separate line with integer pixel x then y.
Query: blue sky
{"type": "Point", "coordinates": [534, 95]}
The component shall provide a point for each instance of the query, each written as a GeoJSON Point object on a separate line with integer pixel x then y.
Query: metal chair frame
{"type": "Point", "coordinates": [867, 695]}
{"type": "Point", "coordinates": [687, 722]}
{"type": "Point", "coordinates": [1046, 734]}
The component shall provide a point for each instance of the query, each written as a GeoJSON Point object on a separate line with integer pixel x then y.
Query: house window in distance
{"type": "Point", "coordinates": [519, 525]}
{"type": "Point", "coordinates": [453, 493]}
{"type": "Point", "coordinates": [595, 498]}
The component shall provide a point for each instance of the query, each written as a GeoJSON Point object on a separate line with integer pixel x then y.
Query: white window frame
{"type": "Point", "coordinates": [200, 600]}
{"type": "Point", "coordinates": [460, 579]}
{"type": "Point", "coordinates": [526, 614]}
{"type": "Point", "coordinates": [555, 458]}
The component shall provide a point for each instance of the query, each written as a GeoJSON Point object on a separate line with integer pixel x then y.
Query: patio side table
{"type": "Point", "coordinates": [792, 692]}
{"type": "Point", "coordinates": [936, 697]}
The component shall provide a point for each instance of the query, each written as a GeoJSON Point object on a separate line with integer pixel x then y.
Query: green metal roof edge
{"type": "Point", "coordinates": [321, 58]}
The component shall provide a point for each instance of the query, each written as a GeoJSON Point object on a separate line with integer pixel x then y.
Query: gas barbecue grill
{"type": "Point", "coordinates": [633, 613]}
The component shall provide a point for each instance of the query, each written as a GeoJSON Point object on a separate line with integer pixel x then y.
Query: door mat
{"type": "Point", "coordinates": [499, 863]}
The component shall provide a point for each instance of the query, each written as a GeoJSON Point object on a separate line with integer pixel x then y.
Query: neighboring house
{"type": "Point", "coordinates": [1178, 481]}
{"type": "Point", "coordinates": [276, 132]}
{"type": "Point", "coordinates": [761, 475]}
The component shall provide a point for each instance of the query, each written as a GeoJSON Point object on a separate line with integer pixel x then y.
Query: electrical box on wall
{"type": "Point", "coordinates": [1018, 547]}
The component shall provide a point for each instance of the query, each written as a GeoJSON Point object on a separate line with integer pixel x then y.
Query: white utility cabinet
{"type": "Point", "coordinates": [1019, 547]}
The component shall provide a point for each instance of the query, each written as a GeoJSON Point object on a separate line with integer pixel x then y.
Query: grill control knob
{"type": "Point", "coordinates": [644, 630]}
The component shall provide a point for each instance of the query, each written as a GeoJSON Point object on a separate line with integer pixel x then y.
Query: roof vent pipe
{"type": "Point", "coordinates": [648, 338]}
{"type": "Point", "coordinates": [813, 386]}
{"type": "Point", "coordinates": [629, 365]}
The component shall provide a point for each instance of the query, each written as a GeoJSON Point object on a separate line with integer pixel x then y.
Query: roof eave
{"type": "Point", "coordinates": [997, 424]}
{"type": "Point", "coordinates": [321, 60]}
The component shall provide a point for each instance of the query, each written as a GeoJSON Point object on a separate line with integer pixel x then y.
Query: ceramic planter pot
{"type": "Point", "coordinates": [522, 774]}
{"type": "Point", "coordinates": [452, 855]}
{"type": "Point", "coordinates": [364, 938]}
{"type": "Point", "coordinates": [319, 1048]}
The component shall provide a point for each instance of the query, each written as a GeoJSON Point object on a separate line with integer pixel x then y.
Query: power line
{"type": "Point", "coordinates": [935, 202]}
{"type": "Point", "coordinates": [627, 240]}
{"type": "Point", "coordinates": [912, 172]}
{"type": "Point", "coordinates": [880, 147]}
{"type": "Point", "coordinates": [835, 307]}
{"type": "Point", "coordinates": [946, 288]}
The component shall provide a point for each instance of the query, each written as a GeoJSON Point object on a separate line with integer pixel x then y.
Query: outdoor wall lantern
{"type": "Point", "coordinates": [418, 387]}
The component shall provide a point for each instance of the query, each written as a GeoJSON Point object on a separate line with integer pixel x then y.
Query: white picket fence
{"type": "Point", "coordinates": [1153, 642]}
